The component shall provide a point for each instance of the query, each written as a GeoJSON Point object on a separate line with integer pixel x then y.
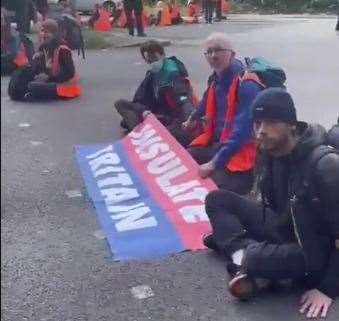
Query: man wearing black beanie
{"type": "Point", "coordinates": [293, 233]}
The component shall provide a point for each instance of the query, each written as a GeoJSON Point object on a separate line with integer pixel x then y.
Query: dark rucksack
{"type": "Point", "coordinates": [333, 136]}
{"type": "Point", "coordinates": [18, 84]}
{"type": "Point", "coordinates": [269, 74]}
{"type": "Point", "coordinates": [28, 45]}
{"type": "Point", "coordinates": [72, 34]}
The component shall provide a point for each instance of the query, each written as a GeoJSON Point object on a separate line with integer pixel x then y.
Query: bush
{"type": "Point", "coordinates": [95, 40]}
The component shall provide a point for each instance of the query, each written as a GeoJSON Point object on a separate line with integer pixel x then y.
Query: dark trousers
{"type": "Point", "coordinates": [138, 21]}
{"type": "Point", "coordinates": [43, 90]}
{"type": "Point", "coordinates": [209, 9]}
{"type": "Point", "coordinates": [7, 66]}
{"type": "Point", "coordinates": [131, 114]}
{"type": "Point", "coordinates": [238, 182]}
{"type": "Point", "coordinates": [238, 223]}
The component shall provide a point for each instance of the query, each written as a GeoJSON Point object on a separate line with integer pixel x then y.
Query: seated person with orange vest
{"type": "Point", "coordinates": [165, 91]}
{"type": "Point", "coordinates": [100, 19]}
{"type": "Point", "coordinates": [163, 14]}
{"type": "Point", "coordinates": [174, 12]}
{"type": "Point", "coordinates": [193, 11]}
{"type": "Point", "coordinates": [225, 151]}
{"type": "Point", "coordinates": [56, 77]}
{"type": "Point", "coordinates": [13, 53]}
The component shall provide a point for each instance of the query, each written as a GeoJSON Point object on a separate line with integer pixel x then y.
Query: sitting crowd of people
{"type": "Point", "coordinates": [275, 214]}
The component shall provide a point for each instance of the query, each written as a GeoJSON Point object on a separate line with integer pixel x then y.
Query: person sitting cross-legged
{"type": "Point", "coordinates": [225, 150]}
{"type": "Point", "coordinates": [292, 234]}
{"type": "Point", "coordinates": [165, 91]}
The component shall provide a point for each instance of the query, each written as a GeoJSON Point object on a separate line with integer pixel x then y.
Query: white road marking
{"type": "Point", "coordinates": [99, 234]}
{"type": "Point", "coordinates": [23, 125]}
{"type": "Point", "coordinates": [73, 193]}
{"type": "Point", "coordinates": [142, 292]}
{"type": "Point", "coordinates": [36, 143]}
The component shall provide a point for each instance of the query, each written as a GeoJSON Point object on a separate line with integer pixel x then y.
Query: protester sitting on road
{"type": "Point", "coordinates": [165, 91]}
{"type": "Point", "coordinates": [100, 19]}
{"type": "Point", "coordinates": [163, 14]}
{"type": "Point", "coordinates": [193, 11]}
{"type": "Point", "coordinates": [13, 53]}
{"type": "Point", "coordinates": [57, 77]}
{"type": "Point", "coordinates": [293, 233]}
{"type": "Point", "coordinates": [174, 12]}
{"type": "Point", "coordinates": [225, 150]}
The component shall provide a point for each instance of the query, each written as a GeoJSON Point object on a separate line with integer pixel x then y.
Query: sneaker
{"type": "Point", "coordinates": [123, 124]}
{"type": "Point", "coordinates": [242, 286]}
{"type": "Point", "coordinates": [28, 97]}
{"type": "Point", "coordinates": [208, 241]}
{"type": "Point", "coordinates": [142, 35]}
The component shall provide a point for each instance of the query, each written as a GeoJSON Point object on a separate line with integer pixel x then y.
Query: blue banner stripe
{"type": "Point", "coordinates": [159, 240]}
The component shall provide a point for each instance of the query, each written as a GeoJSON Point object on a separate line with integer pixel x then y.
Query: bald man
{"type": "Point", "coordinates": [224, 150]}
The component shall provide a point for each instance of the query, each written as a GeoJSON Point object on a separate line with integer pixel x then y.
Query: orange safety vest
{"type": "Point", "coordinates": [175, 13]}
{"type": "Point", "coordinates": [165, 17]}
{"type": "Point", "coordinates": [225, 6]}
{"type": "Point", "coordinates": [193, 10]}
{"type": "Point", "coordinates": [103, 23]}
{"type": "Point", "coordinates": [21, 58]}
{"type": "Point", "coordinates": [145, 18]}
{"type": "Point", "coordinates": [69, 88]}
{"type": "Point", "coordinates": [244, 159]}
{"type": "Point", "coordinates": [121, 22]}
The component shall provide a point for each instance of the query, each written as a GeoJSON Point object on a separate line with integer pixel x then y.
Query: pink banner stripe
{"type": "Point", "coordinates": [190, 233]}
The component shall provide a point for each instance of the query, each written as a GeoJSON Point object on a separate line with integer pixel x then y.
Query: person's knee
{"type": "Point", "coordinates": [119, 104]}
{"type": "Point", "coordinates": [217, 199]}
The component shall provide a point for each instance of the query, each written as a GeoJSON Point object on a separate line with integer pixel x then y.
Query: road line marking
{"type": "Point", "coordinates": [99, 234]}
{"type": "Point", "coordinates": [141, 292]}
{"type": "Point", "coordinates": [73, 193]}
{"type": "Point", "coordinates": [23, 125]}
{"type": "Point", "coordinates": [36, 143]}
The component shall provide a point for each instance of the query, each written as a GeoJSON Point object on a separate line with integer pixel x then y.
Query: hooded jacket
{"type": "Point", "coordinates": [306, 197]}
{"type": "Point", "coordinates": [168, 92]}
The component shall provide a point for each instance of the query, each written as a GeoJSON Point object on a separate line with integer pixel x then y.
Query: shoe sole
{"type": "Point", "coordinates": [241, 287]}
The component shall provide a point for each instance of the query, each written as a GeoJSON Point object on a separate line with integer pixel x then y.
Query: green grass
{"type": "Point", "coordinates": [96, 40]}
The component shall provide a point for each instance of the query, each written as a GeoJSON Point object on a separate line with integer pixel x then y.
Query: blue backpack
{"type": "Point", "coordinates": [269, 74]}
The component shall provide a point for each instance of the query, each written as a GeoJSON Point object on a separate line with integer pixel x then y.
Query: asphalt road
{"type": "Point", "coordinates": [55, 267]}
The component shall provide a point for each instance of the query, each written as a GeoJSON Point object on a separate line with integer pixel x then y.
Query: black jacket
{"type": "Point", "coordinates": [173, 101]}
{"type": "Point", "coordinates": [306, 196]}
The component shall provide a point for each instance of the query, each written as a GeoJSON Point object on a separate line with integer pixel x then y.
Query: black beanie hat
{"type": "Point", "coordinates": [274, 104]}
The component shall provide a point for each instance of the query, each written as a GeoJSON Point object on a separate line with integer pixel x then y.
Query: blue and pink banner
{"type": "Point", "coordinates": [147, 194]}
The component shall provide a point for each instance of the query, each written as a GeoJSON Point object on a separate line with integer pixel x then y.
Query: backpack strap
{"type": "Point", "coordinates": [315, 156]}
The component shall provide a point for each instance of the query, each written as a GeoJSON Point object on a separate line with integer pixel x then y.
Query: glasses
{"type": "Point", "coordinates": [209, 52]}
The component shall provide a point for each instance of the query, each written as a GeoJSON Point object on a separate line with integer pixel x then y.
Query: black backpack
{"type": "Point", "coordinates": [28, 45]}
{"type": "Point", "coordinates": [333, 136]}
{"type": "Point", "coordinates": [18, 84]}
{"type": "Point", "coordinates": [269, 74]}
{"type": "Point", "coordinates": [72, 34]}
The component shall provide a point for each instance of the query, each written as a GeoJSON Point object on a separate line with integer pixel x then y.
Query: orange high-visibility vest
{"type": "Point", "coordinates": [193, 10]}
{"type": "Point", "coordinates": [225, 6]}
{"type": "Point", "coordinates": [121, 22]}
{"type": "Point", "coordinates": [69, 88]}
{"type": "Point", "coordinates": [145, 18]}
{"type": "Point", "coordinates": [165, 17]}
{"type": "Point", "coordinates": [244, 159]}
{"type": "Point", "coordinates": [103, 24]}
{"type": "Point", "coordinates": [175, 13]}
{"type": "Point", "coordinates": [21, 58]}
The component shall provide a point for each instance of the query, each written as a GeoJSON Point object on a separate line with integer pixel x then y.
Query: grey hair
{"type": "Point", "coordinates": [220, 38]}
